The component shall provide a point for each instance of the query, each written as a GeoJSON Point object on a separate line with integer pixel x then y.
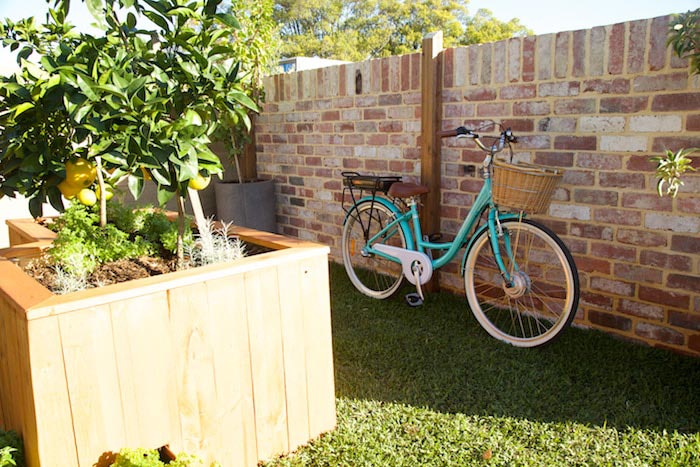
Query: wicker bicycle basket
{"type": "Point", "coordinates": [524, 187]}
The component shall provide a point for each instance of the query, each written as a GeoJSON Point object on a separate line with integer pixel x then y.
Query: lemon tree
{"type": "Point", "coordinates": [133, 101]}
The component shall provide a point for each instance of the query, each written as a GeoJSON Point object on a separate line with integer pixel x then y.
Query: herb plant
{"type": "Point", "coordinates": [11, 449]}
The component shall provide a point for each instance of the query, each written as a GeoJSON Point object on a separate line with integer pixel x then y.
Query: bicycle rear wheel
{"type": "Point", "coordinates": [543, 295]}
{"type": "Point", "coordinates": [371, 274]}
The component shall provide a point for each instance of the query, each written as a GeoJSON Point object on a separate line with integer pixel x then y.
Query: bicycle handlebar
{"type": "Point", "coordinates": [506, 137]}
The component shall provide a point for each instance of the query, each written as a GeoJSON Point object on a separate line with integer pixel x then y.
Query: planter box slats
{"type": "Point", "coordinates": [232, 362]}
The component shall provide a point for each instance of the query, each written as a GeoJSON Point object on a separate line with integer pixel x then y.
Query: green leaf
{"type": "Point", "coordinates": [86, 87]}
{"type": "Point", "coordinates": [21, 108]}
{"type": "Point", "coordinates": [164, 196]}
{"type": "Point", "coordinates": [136, 184]}
{"type": "Point", "coordinates": [228, 20]}
{"type": "Point", "coordinates": [36, 208]}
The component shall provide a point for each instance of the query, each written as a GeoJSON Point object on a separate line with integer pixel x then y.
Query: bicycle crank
{"type": "Point", "coordinates": [416, 266]}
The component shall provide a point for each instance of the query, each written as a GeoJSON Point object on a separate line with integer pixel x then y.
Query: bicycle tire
{"type": "Point", "coordinates": [372, 275]}
{"type": "Point", "coordinates": [545, 293]}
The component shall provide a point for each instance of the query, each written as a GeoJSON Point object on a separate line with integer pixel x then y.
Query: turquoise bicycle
{"type": "Point", "coordinates": [520, 279]}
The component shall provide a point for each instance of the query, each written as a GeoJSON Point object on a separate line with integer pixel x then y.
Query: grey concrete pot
{"type": "Point", "coordinates": [250, 204]}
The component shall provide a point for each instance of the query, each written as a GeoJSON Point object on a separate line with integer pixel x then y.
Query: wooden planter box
{"type": "Point", "coordinates": [232, 362]}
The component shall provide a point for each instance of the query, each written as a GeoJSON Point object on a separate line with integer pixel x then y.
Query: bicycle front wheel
{"type": "Point", "coordinates": [371, 274]}
{"type": "Point", "coordinates": [540, 300]}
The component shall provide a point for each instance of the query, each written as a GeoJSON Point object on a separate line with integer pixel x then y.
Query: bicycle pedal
{"type": "Point", "coordinates": [413, 299]}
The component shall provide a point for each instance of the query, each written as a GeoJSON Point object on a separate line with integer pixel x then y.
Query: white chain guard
{"type": "Point", "coordinates": [408, 259]}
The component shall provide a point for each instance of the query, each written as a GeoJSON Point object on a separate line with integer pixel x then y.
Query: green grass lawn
{"type": "Point", "coordinates": [428, 387]}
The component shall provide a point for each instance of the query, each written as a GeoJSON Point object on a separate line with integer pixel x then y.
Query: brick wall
{"type": "Point", "coordinates": [596, 102]}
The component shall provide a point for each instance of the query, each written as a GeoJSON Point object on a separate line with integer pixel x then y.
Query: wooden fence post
{"type": "Point", "coordinates": [431, 78]}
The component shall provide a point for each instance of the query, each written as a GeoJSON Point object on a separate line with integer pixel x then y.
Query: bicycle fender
{"type": "Point", "coordinates": [392, 207]}
{"type": "Point", "coordinates": [501, 217]}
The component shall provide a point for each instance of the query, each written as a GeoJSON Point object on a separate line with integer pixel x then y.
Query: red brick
{"type": "Point", "coordinates": [596, 197]}
{"type": "Point", "coordinates": [611, 251]}
{"type": "Point", "coordinates": [584, 143]}
{"type": "Point", "coordinates": [622, 180]}
{"type": "Point", "coordinates": [664, 297]}
{"type": "Point", "coordinates": [374, 114]}
{"type": "Point", "coordinates": [599, 161]}
{"type": "Point", "coordinates": [480, 94]}
{"type": "Point", "coordinates": [345, 127]}
{"type": "Point", "coordinates": [391, 127]}
{"type": "Point", "coordinates": [693, 123]}
{"type": "Point", "coordinates": [641, 238]}
{"type": "Point", "coordinates": [448, 68]}
{"type": "Point", "coordinates": [578, 177]}
{"type": "Point", "coordinates": [636, 46]}
{"type": "Point", "coordinates": [597, 300]}
{"type": "Point", "coordinates": [685, 244]}
{"type": "Point", "coordinates": [526, 91]}
{"type": "Point", "coordinates": [561, 54]}
{"type": "Point", "coordinates": [647, 201]}
{"type": "Point", "coordinates": [574, 106]}
{"type": "Point", "coordinates": [486, 62]}
{"type": "Point", "coordinates": [598, 232]}
{"type": "Point", "coordinates": [684, 320]}
{"type": "Point", "coordinates": [659, 333]}
{"type": "Point", "coordinates": [665, 260]}
{"type": "Point", "coordinates": [689, 205]}
{"type": "Point", "coordinates": [641, 310]}
{"type": "Point", "coordinates": [590, 265]}
{"type": "Point", "coordinates": [530, 108]}
{"type": "Point", "coordinates": [596, 63]}
{"type": "Point", "coordinates": [330, 115]}
{"type": "Point", "coordinates": [640, 164]}
{"type": "Point", "coordinates": [608, 320]}
{"type": "Point", "coordinates": [405, 72]}
{"type": "Point", "coordinates": [667, 82]}
{"type": "Point", "coordinates": [676, 102]}
{"type": "Point", "coordinates": [415, 70]}
{"type": "Point", "coordinates": [638, 273]}
{"type": "Point", "coordinates": [377, 139]}
{"type": "Point", "coordinates": [554, 159]}
{"type": "Point", "coordinates": [389, 99]}
{"type": "Point", "coordinates": [674, 143]}
{"type": "Point", "coordinates": [616, 55]}
{"type": "Point", "coordinates": [528, 58]}
{"type": "Point", "coordinates": [657, 43]}
{"type": "Point", "coordinates": [612, 286]}
{"type": "Point", "coordinates": [519, 125]}
{"type": "Point", "coordinates": [610, 86]}
{"type": "Point", "coordinates": [684, 282]}
{"type": "Point", "coordinates": [496, 109]}
{"type": "Point", "coordinates": [376, 165]}
{"type": "Point", "coordinates": [623, 104]}
{"type": "Point", "coordinates": [694, 342]}
{"type": "Point", "coordinates": [617, 216]}
{"type": "Point", "coordinates": [579, 48]}
{"type": "Point", "coordinates": [342, 80]}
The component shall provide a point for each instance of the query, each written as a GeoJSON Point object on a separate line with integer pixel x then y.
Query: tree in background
{"type": "Point", "coordinates": [484, 27]}
{"type": "Point", "coordinates": [361, 29]}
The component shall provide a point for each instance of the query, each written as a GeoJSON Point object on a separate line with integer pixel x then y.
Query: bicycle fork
{"type": "Point", "coordinates": [516, 283]}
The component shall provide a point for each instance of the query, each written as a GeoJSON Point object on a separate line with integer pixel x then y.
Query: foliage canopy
{"type": "Point", "coordinates": [362, 29]}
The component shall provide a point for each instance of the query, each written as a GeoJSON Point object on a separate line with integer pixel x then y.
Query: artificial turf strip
{"type": "Point", "coordinates": [428, 387]}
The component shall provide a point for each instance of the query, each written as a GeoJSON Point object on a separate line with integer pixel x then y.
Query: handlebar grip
{"type": "Point", "coordinates": [460, 131]}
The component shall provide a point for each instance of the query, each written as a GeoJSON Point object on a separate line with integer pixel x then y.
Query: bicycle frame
{"type": "Point", "coordinates": [414, 236]}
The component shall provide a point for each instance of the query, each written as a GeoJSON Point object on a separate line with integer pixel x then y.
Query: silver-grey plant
{"type": "Point", "coordinates": [214, 245]}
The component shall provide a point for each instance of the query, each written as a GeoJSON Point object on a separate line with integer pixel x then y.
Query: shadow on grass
{"type": "Point", "coordinates": [437, 356]}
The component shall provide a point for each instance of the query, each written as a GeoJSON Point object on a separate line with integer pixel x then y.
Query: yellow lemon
{"type": "Point", "coordinates": [109, 192]}
{"type": "Point", "coordinates": [68, 190]}
{"type": "Point", "coordinates": [199, 182]}
{"type": "Point", "coordinates": [80, 172]}
{"type": "Point", "coordinates": [87, 197]}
